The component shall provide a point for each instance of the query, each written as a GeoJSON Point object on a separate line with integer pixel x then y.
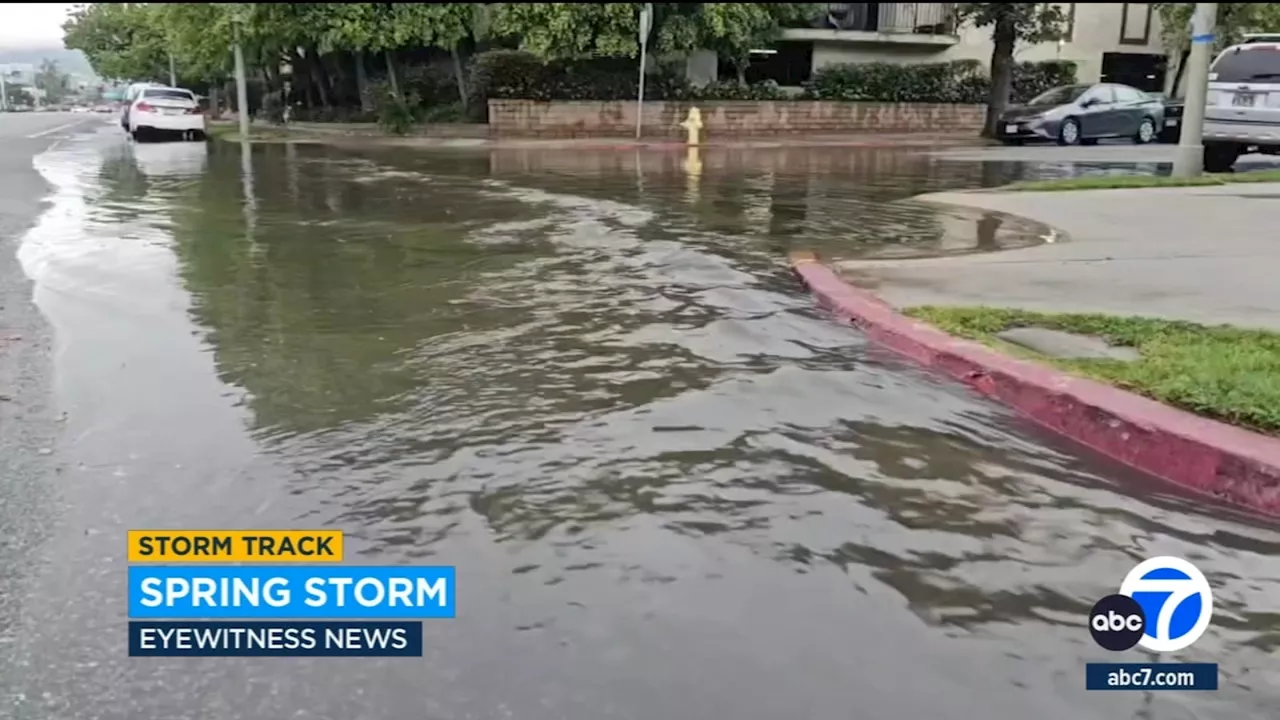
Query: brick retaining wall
{"type": "Point", "coordinates": [563, 119]}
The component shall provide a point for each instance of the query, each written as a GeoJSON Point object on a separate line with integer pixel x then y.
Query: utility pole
{"type": "Point", "coordinates": [646, 22]}
{"type": "Point", "coordinates": [173, 71]}
{"type": "Point", "coordinates": [1189, 161]}
{"type": "Point", "coordinates": [242, 89]}
{"type": "Point", "coordinates": [4, 92]}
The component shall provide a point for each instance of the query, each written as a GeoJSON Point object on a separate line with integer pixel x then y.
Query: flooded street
{"type": "Point", "coordinates": [671, 486]}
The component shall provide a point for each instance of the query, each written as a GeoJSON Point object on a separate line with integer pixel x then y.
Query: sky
{"type": "Point", "coordinates": [32, 25]}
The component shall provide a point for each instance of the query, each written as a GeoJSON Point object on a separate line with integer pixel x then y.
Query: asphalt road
{"type": "Point", "coordinates": [28, 422]}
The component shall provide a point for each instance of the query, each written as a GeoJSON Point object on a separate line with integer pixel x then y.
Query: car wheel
{"type": "Point", "coordinates": [198, 136]}
{"type": "Point", "coordinates": [1069, 132]}
{"type": "Point", "coordinates": [1220, 157]}
{"type": "Point", "coordinates": [1146, 132]}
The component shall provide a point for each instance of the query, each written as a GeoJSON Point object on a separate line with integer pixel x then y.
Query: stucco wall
{"type": "Point", "coordinates": [1096, 31]}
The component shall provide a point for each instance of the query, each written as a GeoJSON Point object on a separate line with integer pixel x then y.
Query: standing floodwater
{"type": "Point", "coordinates": [672, 489]}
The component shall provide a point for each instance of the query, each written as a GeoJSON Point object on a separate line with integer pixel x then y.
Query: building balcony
{"type": "Point", "coordinates": [894, 23]}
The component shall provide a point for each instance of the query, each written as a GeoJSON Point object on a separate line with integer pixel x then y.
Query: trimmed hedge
{"type": "Point", "coordinates": [960, 81]}
{"type": "Point", "coordinates": [517, 75]}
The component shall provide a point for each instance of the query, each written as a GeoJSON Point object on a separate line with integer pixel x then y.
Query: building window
{"type": "Point", "coordinates": [786, 63]}
{"type": "Point", "coordinates": [1135, 24]}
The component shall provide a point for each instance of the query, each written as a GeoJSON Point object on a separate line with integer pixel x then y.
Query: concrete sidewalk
{"type": "Point", "coordinates": [1205, 254]}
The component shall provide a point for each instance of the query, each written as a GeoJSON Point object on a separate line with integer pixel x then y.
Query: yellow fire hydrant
{"type": "Point", "coordinates": [693, 126]}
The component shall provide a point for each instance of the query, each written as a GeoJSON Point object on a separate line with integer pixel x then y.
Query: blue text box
{"type": "Point", "coordinates": [275, 639]}
{"type": "Point", "coordinates": [1151, 676]}
{"type": "Point", "coordinates": [284, 591]}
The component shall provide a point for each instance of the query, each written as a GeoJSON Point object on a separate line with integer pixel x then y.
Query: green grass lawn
{"type": "Point", "coordinates": [1112, 182]}
{"type": "Point", "coordinates": [1227, 373]}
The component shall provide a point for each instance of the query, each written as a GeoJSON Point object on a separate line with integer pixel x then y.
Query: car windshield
{"type": "Point", "coordinates": [167, 94]}
{"type": "Point", "coordinates": [1247, 64]}
{"type": "Point", "coordinates": [1059, 95]}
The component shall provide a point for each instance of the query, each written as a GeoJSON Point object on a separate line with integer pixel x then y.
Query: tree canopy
{"type": "Point", "coordinates": [1234, 19]}
{"type": "Point", "coordinates": [572, 30]}
{"type": "Point", "coordinates": [1010, 23]}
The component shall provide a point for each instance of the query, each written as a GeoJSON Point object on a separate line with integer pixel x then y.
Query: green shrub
{"type": "Point", "coordinates": [732, 90]}
{"type": "Point", "coordinates": [432, 85]}
{"type": "Point", "coordinates": [447, 113]}
{"type": "Point", "coordinates": [1031, 79]}
{"type": "Point", "coordinates": [518, 75]}
{"type": "Point", "coordinates": [960, 81]}
{"type": "Point", "coordinates": [332, 114]}
{"type": "Point", "coordinates": [397, 114]}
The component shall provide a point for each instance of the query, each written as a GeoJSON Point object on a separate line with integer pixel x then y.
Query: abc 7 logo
{"type": "Point", "coordinates": [1117, 622]}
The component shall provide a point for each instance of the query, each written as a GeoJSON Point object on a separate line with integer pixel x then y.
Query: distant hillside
{"type": "Point", "coordinates": [69, 61]}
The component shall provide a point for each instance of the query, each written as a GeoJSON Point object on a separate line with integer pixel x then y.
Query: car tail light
{"type": "Point", "coordinates": [194, 111]}
{"type": "Point", "coordinates": [144, 107]}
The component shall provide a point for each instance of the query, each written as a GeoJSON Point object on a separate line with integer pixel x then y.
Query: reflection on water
{"type": "Point", "coordinates": [671, 487]}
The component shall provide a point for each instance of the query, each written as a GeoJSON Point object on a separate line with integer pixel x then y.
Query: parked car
{"type": "Point", "coordinates": [131, 94]}
{"type": "Point", "coordinates": [1172, 129]}
{"type": "Point", "coordinates": [166, 110]}
{"type": "Point", "coordinates": [1242, 108]}
{"type": "Point", "coordinates": [1083, 114]}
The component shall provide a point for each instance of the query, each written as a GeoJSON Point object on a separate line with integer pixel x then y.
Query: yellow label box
{"type": "Point", "coordinates": [239, 546]}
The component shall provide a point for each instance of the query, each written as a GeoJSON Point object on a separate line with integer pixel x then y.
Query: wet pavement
{"type": "Point", "coordinates": [672, 487]}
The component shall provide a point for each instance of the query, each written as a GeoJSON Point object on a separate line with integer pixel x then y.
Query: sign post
{"type": "Point", "coordinates": [646, 23]}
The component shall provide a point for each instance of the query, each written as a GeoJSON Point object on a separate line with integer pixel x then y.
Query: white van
{"type": "Point", "coordinates": [1242, 109]}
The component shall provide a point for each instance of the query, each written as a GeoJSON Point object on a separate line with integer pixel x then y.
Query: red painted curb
{"type": "Point", "coordinates": [1226, 462]}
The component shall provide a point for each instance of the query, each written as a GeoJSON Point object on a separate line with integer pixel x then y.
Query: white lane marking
{"type": "Point", "coordinates": [52, 130]}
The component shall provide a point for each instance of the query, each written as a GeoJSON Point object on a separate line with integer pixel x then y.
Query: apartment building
{"type": "Point", "coordinates": [1118, 42]}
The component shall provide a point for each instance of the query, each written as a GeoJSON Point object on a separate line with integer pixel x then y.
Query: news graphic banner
{"type": "Point", "coordinates": [182, 603]}
{"type": "Point", "coordinates": [1164, 604]}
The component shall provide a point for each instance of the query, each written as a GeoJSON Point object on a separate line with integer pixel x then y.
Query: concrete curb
{"type": "Point", "coordinates": [1205, 456]}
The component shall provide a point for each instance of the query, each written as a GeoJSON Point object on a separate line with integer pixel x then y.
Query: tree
{"type": "Point", "coordinates": [52, 81]}
{"type": "Point", "coordinates": [574, 30]}
{"type": "Point", "coordinates": [200, 39]}
{"type": "Point", "coordinates": [447, 26]}
{"type": "Point", "coordinates": [1234, 19]}
{"type": "Point", "coordinates": [1010, 24]}
{"type": "Point", "coordinates": [567, 30]}
{"type": "Point", "coordinates": [123, 41]}
{"type": "Point", "coordinates": [733, 30]}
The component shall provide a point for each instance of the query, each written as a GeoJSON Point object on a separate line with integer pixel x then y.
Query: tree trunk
{"type": "Point", "coordinates": [303, 79]}
{"type": "Point", "coordinates": [1177, 75]}
{"type": "Point", "coordinates": [457, 74]}
{"type": "Point", "coordinates": [214, 111]}
{"type": "Point", "coordinates": [362, 82]}
{"type": "Point", "coordinates": [391, 74]}
{"type": "Point", "coordinates": [1003, 39]}
{"type": "Point", "coordinates": [318, 76]}
{"type": "Point", "coordinates": [741, 68]}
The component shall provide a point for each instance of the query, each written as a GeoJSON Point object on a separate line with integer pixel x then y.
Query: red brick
{"type": "Point", "coordinates": [527, 118]}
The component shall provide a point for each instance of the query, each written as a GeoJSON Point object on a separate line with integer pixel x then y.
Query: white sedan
{"type": "Point", "coordinates": [165, 110]}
